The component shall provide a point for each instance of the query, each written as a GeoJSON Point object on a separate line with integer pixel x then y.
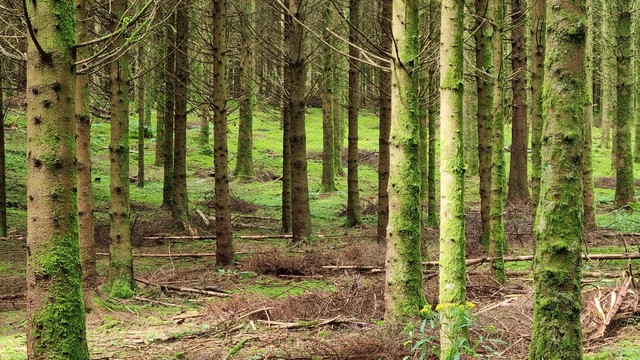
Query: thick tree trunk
{"type": "Point", "coordinates": [180, 206]}
{"type": "Point", "coordinates": [328, 183]}
{"type": "Point", "coordinates": [300, 213]}
{"type": "Point", "coordinates": [537, 76]}
{"type": "Point", "coordinates": [385, 9]}
{"type": "Point", "coordinates": [244, 162]}
{"type": "Point", "coordinates": [54, 272]}
{"type": "Point", "coordinates": [518, 179]}
{"type": "Point", "coordinates": [557, 333]}
{"type": "Point", "coordinates": [452, 169]}
{"type": "Point", "coordinates": [224, 240]}
{"type": "Point", "coordinates": [83, 156]}
{"type": "Point", "coordinates": [587, 171]}
{"type": "Point", "coordinates": [121, 281]}
{"type": "Point", "coordinates": [403, 281]}
{"type": "Point", "coordinates": [169, 111]}
{"type": "Point", "coordinates": [353, 192]}
{"type": "Point", "coordinates": [485, 106]}
{"type": "Point", "coordinates": [623, 158]}
{"type": "Point", "coordinates": [141, 118]}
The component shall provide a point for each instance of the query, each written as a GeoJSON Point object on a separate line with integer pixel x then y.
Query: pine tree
{"type": "Point", "coordinates": [353, 191]}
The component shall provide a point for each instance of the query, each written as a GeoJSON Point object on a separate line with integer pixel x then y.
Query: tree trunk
{"type": "Point", "coordinates": [141, 118]}
{"type": "Point", "coordinates": [180, 206]}
{"type": "Point", "coordinates": [470, 101]}
{"type": "Point", "coordinates": [587, 171]}
{"type": "Point", "coordinates": [286, 124]}
{"type": "Point", "coordinates": [557, 332]}
{"type": "Point", "coordinates": [385, 9]}
{"type": "Point", "coordinates": [452, 169]}
{"type": "Point", "coordinates": [434, 112]}
{"type": "Point", "coordinates": [3, 167]}
{"type": "Point", "coordinates": [537, 76]}
{"type": "Point", "coordinates": [485, 106]}
{"type": "Point", "coordinates": [518, 179]}
{"type": "Point", "coordinates": [169, 111]}
{"type": "Point", "coordinates": [224, 240]}
{"type": "Point", "coordinates": [403, 281]}
{"type": "Point", "coordinates": [623, 150]}
{"type": "Point", "coordinates": [300, 213]}
{"type": "Point", "coordinates": [608, 73]}
{"type": "Point", "coordinates": [328, 183]}
{"type": "Point", "coordinates": [121, 281]}
{"type": "Point", "coordinates": [353, 192]}
{"type": "Point", "coordinates": [83, 156]}
{"type": "Point", "coordinates": [244, 162]}
{"type": "Point", "coordinates": [496, 232]}
{"type": "Point", "coordinates": [54, 272]}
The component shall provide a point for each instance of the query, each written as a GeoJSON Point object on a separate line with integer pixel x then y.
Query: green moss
{"type": "Point", "coordinates": [121, 289]}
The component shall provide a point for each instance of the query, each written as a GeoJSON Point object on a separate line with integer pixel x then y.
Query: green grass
{"type": "Point", "coordinates": [281, 289]}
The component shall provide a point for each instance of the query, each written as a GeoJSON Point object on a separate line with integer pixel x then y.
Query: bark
{"type": "Point", "coordinates": [587, 171]}
{"type": "Point", "coordinates": [328, 102]}
{"type": "Point", "coordinates": [434, 112]}
{"type": "Point", "coordinates": [159, 88]}
{"type": "Point", "coordinates": [403, 282]}
{"type": "Point", "coordinates": [623, 158]}
{"type": "Point", "coordinates": [385, 8]}
{"type": "Point", "coordinates": [608, 73]}
{"type": "Point", "coordinates": [169, 112]}
{"type": "Point", "coordinates": [180, 203]}
{"type": "Point", "coordinates": [244, 162]}
{"type": "Point", "coordinates": [224, 240]}
{"type": "Point", "coordinates": [470, 101]}
{"type": "Point", "coordinates": [121, 283]}
{"type": "Point", "coordinates": [141, 118]}
{"type": "Point", "coordinates": [483, 37]}
{"type": "Point", "coordinates": [55, 312]}
{"type": "Point", "coordinates": [353, 192]}
{"type": "Point", "coordinates": [300, 213]}
{"type": "Point", "coordinates": [496, 224]}
{"type": "Point", "coordinates": [558, 228]}
{"type": "Point", "coordinates": [83, 156]}
{"type": "Point", "coordinates": [286, 125]}
{"type": "Point", "coordinates": [518, 178]}
{"type": "Point", "coordinates": [452, 236]}
{"type": "Point", "coordinates": [3, 167]}
{"type": "Point", "coordinates": [537, 76]}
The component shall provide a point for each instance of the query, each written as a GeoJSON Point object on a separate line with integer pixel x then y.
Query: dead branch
{"type": "Point", "coordinates": [185, 289]}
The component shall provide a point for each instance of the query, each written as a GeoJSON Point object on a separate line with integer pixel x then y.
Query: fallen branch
{"type": "Point", "coordinates": [185, 289]}
{"type": "Point", "coordinates": [203, 217]}
{"type": "Point", "coordinates": [167, 255]}
{"type": "Point", "coordinates": [482, 260]}
{"type": "Point", "coordinates": [614, 308]}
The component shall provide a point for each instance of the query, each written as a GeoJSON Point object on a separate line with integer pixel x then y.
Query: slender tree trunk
{"type": "Point", "coordinates": [83, 156]}
{"type": "Point", "coordinates": [403, 285]}
{"type": "Point", "coordinates": [121, 280]}
{"type": "Point", "coordinates": [141, 119]}
{"type": "Point", "coordinates": [244, 163]}
{"type": "Point", "coordinates": [169, 111]}
{"type": "Point", "coordinates": [159, 75]}
{"type": "Point", "coordinates": [587, 171]}
{"type": "Point", "coordinates": [518, 179]}
{"type": "Point", "coordinates": [434, 103]}
{"type": "Point", "coordinates": [180, 206]}
{"type": "Point", "coordinates": [160, 105]}
{"type": "Point", "coordinates": [608, 73]}
{"type": "Point", "coordinates": [340, 90]}
{"type": "Point", "coordinates": [385, 9]}
{"type": "Point", "coordinates": [286, 125]}
{"type": "Point", "coordinates": [353, 192]}
{"type": "Point", "coordinates": [224, 241]}
{"type": "Point", "coordinates": [300, 213]}
{"type": "Point", "coordinates": [623, 158]}
{"type": "Point", "coordinates": [3, 167]}
{"type": "Point", "coordinates": [470, 101]}
{"type": "Point", "coordinates": [496, 232]}
{"type": "Point", "coordinates": [537, 76]}
{"type": "Point", "coordinates": [485, 106]}
{"type": "Point", "coordinates": [328, 147]}
{"type": "Point", "coordinates": [557, 333]}
{"type": "Point", "coordinates": [452, 169]}
{"type": "Point", "coordinates": [54, 272]}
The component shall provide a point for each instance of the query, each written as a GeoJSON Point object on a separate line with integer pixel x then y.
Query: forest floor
{"type": "Point", "coordinates": [322, 300]}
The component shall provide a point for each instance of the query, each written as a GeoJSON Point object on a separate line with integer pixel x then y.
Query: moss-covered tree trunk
{"type": "Point", "coordinates": [587, 170]}
{"type": "Point", "coordinates": [159, 90]}
{"type": "Point", "coordinates": [286, 124]}
{"type": "Point", "coordinates": [384, 83]}
{"type": "Point", "coordinates": [483, 36]}
{"type": "Point", "coordinates": [300, 212]}
{"type": "Point", "coordinates": [353, 191]}
{"type": "Point", "coordinates": [224, 230]}
{"type": "Point", "coordinates": [434, 111]}
{"type": "Point", "coordinates": [141, 117]}
{"type": "Point", "coordinates": [244, 162]}
{"type": "Point", "coordinates": [169, 110]}
{"type": "Point", "coordinates": [328, 183]}
{"type": "Point", "coordinates": [121, 281]}
{"type": "Point", "coordinates": [608, 71]}
{"type": "Point", "coordinates": [452, 236]}
{"type": "Point", "coordinates": [470, 102]}
{"type": "Point", "coordinates": [557, 333]}
{"type": "Point", "coordinates": [55, 312]}
{"type": "Point", "coordinates": [403, 286]}
{"type": "Point", "coordinates": [624, 118]}
{"type": "Point", "coordinates": [518, 178]}
{"type": "Point", "coordinates": [180, 206]}
{"type": "Point", "coordinates": [83, 156]}
{"type": "Point", "coordinates": [3, 166]}
{"type": "Point", "coordinates": [537, 76]}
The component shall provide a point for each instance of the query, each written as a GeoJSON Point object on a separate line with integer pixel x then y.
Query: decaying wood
{"type": "Point", "coordinates": [619, 298]}
{"type": "Point", "coordinates": [203, 217]}
{"type": "Point", "coordinates": [185, 289]}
